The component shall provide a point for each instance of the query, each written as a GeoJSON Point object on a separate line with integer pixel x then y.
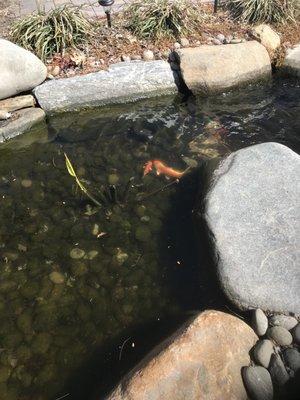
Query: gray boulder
{"type": "Point", "coordinates": [20, 70]}
{"type": "Point", "coordinates": [207, 69]}
{"type": "Point", "coordinates": [123, 82]}
{"type": "Point", "coordinates": [252, 211]}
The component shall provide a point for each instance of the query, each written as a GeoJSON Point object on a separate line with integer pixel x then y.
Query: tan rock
{"type": "Point", "coordinates": [208, 69]}
{"type": "Point", "coordinates": [202, 360]}
{"type": "Point", "coordinates": [17, 103]}
{"type": "Point", "coordinates": [267, 37]}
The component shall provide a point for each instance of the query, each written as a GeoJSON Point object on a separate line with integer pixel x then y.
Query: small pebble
{"type": "Point", "coordinates": [125, 58]}
{"type": "Point", "coordinates": [216, 41]}
{"type": "Point", "coordinates": [26, 183]}
{"type": "Point", "coordinates": [263, 351]}
{"type": "Point", "coordinates": [235, 41]}
{"type": "Point", "coordinates": [92, 254]}
{"type": "Point", "coordinates": [77, 253]}
{"type": "Point", "coordinates": [148, 55]}
{"type": "Point", "coordinates": [280, 335]}
{"type": "Point", "coordinates": [57, 277]}
{"type": "Point", "coordinates": [259, 322]}
{"type": "Point", "coordinates": [184, 42]}
{"type": "Point", "coordinates": [258, 383]}
{"type": "Point", "coordinates": [296, 334]}
{"type": "Point", "coordinates": [285, 321]}
{"type": "Point", "coordinates": [113, 179]}
{"type": "Point", "coordinates": [277, 370]}
{"type": "Point", "coordinates": [292, 359]}
{"type": "Point", "coordinates": [221, 37]}
{"type": "Point", "coordinates": [177, 46]}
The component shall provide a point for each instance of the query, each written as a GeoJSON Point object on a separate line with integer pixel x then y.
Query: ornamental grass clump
{"type": "Point", "coordinates": [278, 11]}
{"type": "Point", "coordinates": [162, 18]}
{"type": "Point", "coordinates": [45, 34]}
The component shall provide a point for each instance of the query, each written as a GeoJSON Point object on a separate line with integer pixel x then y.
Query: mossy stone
{"type": "Point", "coordinates": [77, 253]}
{"type": "Point", "coordinates": [4, 374]}
{"type": "Point", "coordinates": [30, 289]}
{"type": "Point", "coordinates": [12, 340]}
{"type": "Point", "coordinates": [41, 343]}
{"type": "Point", "coordinates": [23, 353]}
{"type": "Point", "coordinates": [79, 268]}
{"type": "Point", "coordinates": [24, 322]}
{"type": "Point", "coordinates": [113, 179]}
{"type": "Point", "coordinates": [57, 277]}
{"type": "Point", "coordinates": [6, 286]}
{"type": "Point", "coordinates": [143, 234]}
{"type": "Point", "coordinates": [141, 210]}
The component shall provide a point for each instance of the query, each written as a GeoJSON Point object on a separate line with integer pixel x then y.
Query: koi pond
{"type": "Point", "coordinates": [87, 286]}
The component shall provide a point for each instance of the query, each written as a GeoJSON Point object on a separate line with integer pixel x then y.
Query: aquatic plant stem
{"type": "Point", "coordinates": [81, 186]}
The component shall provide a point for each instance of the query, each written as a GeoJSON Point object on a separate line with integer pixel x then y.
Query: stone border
{"type": "Point", "coordinates": [122, 83]}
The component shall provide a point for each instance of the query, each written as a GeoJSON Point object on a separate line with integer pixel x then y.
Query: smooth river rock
{"type": "Point", "coordinates": [20, 70]}
{"type": "Point", "coordinates": [258, 383]}
{"type": "Point", "coordinates": [292, 61]}
{"type": "Point", "coordinates": [267, 37]}
{"type": "Point", "coordinates": [202, 360]}
{"type": "Point", "coordinates": [292, 359]}
{"type": "Point", "coordinates": [277, 371]}
{"type": "Point", "coordinates": [207, 69]}
{"type": "Point", "coordinates": [280, 335]}
{"type": "Point", "coordinates": [259, 322]}
{"type": "Point", "coordinates": [263, 351]}
{"type": "Point", "coordinates": [252, 211]}
{"type": "Point", "coordinates": [286, 321]}
{"type": "Point", "coordinates": [123, 82]}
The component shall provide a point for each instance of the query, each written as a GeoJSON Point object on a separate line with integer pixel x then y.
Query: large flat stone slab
{"type": "Point", "coordinates": [123, 82]}
{"type": "Point", "coordinates": [208, 69]}
{"type": "Point", "coordinates": [292, 62]}
{"type": "Point", "coordinates": [202, 360]}
{"type": "Point", "coordinates": [20, 70]}
{"type": "Point", "coordinates": [252, 209]}
{"type": "Point", "coordinates": [21, 122]}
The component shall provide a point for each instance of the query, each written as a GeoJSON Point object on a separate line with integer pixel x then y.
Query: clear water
{"type": "Point", "coordinates": [70, 327]}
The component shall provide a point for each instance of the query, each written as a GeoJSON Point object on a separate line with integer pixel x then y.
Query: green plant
{"type": "Point", "coordinates": [264, 10]}
{"type": "Point", "coordinates": [159, 18]}
{"type": "Point", "coordinates": [46, 34]}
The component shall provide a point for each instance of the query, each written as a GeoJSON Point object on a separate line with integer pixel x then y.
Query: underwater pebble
{"type": "Point", "coordinates": [57, 277]}
{"type": "Point", "coordinates": [121, 257]}
{"type": "Point", "coordinates": [79, 269]}
{"type": "Point", "coordinates": [41, 343]}
{"type": "Point", "coordinates": [143, 234]}
{"type": "Point", "coordinates": [145, 218]}
{"type": "Point", "coordinates": [95, 230]}
{"type": "Point", "coordinates": [92, 254]}
{"type": "Point", "coordinates": [4, 374]}
{"type": "Point", "coordinates": [280, 335]}
{"type": "Point", "coordinates": [259, 322]}
{"type": "Point", "coordinates": [77, 253]}
{"type": "Point", "coordinates": [140, 211]}
{"type": "Point", "coordinates": [113, 179]}
{"type": "Point", "coordinates": [26, 183]}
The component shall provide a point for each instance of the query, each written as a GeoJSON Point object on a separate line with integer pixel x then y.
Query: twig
{"type": "Point", "coordinates": [62, 397]}
{"type": "Point", "coordinates": [123, 344]}
{"type": "Point", "coordinates": [158, 190]}
{"type": "Point", "coordinates": [234, 312]}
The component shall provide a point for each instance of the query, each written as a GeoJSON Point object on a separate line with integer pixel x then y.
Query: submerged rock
{"type": "Point", "coordinates": [213, 348]}
{"type": "Point", "coordinates": [252, 211]}
{"type": "Point", "coordinates": [57, 277]}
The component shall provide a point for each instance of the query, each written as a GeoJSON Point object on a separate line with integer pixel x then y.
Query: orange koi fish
{"type": "Point", "coordinates": [161, 168]}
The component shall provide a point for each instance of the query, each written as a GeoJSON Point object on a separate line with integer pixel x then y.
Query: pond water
{"type": "Point", "coordinates": [86, 290]}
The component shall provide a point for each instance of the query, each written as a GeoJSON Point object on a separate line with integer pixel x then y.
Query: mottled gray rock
{"type": "Point", "coordinates": [280, 335]}
{"type": "Point", "coordinates": [252, 211]}
{"type": "Point", "coordinates": [285, 321]}
{"type": "Point", "coordinates": [259, 322]}
{"type": "Point", "coordinates": [258, 383]}
{"type": "Point", "coordinates": [21, 121]}
{"type": "Point", "coordinates": [296, 334]}
{"type": "Point", "coordinates": [277, 371]}
{"type": "Point", "coordinates": [263, 351]}
{"type": "Point", "coordinates": [292, 61]}
{"type": "Point", "coordinates": [20, 70]}
{"type": "Point", "coordinates": [123, 82]}
{"type": "Point", "coordinates": [292, 359]}
{"type": "Point", "coordinates": [208, 69]}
